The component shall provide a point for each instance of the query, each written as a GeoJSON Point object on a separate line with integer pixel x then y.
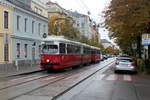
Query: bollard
{"type": "Point", "coordinates": [16, 63]}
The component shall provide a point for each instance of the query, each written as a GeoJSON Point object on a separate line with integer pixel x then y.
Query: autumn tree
{"type": "Point", "coordinates": [62, 26]}
{"type": "Point", "coordinates": [127, 20]}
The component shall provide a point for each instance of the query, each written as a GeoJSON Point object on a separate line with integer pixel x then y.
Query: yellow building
{"type": "Point", "coordinates": [56, 10]}
{"type": "Point", "coordinates": [6, 28]}
{"type": "Point", "coordinates": [39, 7]}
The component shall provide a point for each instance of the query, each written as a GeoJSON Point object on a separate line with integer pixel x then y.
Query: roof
{"type": "Point", "coordinates": [19, 4]}
{"type": "Point", "coordinates": [63, 39]}
{"type": "Point", "coordinates": [105, 41]}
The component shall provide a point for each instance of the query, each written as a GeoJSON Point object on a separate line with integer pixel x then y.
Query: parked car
{"type": "Point", "coordinates": [105, 57]}
{"type": "Point", "coordinates": [125, 64]}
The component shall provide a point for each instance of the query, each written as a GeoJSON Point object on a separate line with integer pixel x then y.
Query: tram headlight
{"type": "Point", "coordinates": [47, 60]}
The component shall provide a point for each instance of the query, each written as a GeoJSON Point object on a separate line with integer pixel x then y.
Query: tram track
{"type": "Point", "coordinates": [45, 81]}
{"type": "Point", "coordinates": [65, 91]}
{"type": "Point", "coordinates": [53, 80]}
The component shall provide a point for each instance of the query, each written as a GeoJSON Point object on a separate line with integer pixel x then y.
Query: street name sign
{"type": "Point", "coordinates": [146, 39]}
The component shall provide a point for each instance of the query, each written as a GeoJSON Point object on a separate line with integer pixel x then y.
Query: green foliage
{"type": "Point", "coordinates": [111, 50]}
{"type": "Point", "coordinates": [143, 65]}
{"type": "Point", "coordinates": [64, 26]}
{"type": "Point", "coordinates": [126, 20]}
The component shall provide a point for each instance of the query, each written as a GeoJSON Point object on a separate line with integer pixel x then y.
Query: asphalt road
{"type": "Point", "coordinates": [111, 86]}
{"type": "Point", "coordinates": [91, 82]}
{"type": "Point", "coordinates": [46, 86]}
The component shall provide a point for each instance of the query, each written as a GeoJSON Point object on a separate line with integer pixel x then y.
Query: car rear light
{"type": "Point", "coordinates": [117, 62]}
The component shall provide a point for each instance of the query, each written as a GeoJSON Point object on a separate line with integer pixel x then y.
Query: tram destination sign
{"type": "Point", "coordinates": [146, 39]}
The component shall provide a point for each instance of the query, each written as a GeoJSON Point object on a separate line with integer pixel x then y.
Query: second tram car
{"type": "Point", "coordinates": [58, 53]}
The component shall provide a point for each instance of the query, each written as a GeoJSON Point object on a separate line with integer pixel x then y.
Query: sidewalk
{"type": "Point", "coordinates": [12, 70]}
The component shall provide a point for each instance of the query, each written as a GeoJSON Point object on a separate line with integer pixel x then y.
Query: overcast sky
{"type": "Point", "coordinates": [83, 6]}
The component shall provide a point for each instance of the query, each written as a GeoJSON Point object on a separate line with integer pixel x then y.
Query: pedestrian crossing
{"type": "Point", "coordinates": [113, 77]}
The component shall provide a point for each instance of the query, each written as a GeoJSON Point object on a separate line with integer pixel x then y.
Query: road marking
{"type": "Point", "coordinates": [99, 77]}
{"type": "Point", "coordinates": [111, 77]}
{"type": "Point", "coordinates": [127, 78]}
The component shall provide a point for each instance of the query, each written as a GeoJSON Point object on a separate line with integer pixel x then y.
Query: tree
{"type": "Point", "coordinates": [127, 20]}
{"type": "Point", "coordinates": [62, 26]}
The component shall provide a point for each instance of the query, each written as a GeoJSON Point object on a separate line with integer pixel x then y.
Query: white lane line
{"type": "Point", "coordinates": [99, 77]}
{"type": "Point", "coordinates": [112, 77]}
{"type": "Point", "coordinates": [127, 78]}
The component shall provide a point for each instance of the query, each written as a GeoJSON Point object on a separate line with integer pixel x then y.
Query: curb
{"type": "Point", "coordinates": [23, 73]}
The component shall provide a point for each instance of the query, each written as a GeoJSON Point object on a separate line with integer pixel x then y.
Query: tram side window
{"type": "Point", "coordinates": [98, 52]}
{"type": "Point", "coordinates": [89, 51]}
{"type": "Point", "coordinates": [62, 48]}
{"type": "Point", "coordinates": [85, 51]}
{"type": "Point", "coordinates": [77, 49]}
{"type": "Point", "coordinates": [69, 49]}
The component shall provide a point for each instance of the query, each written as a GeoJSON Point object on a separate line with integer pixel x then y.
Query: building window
{"type": "Point", "coordinates": [40, 11]}
{"type": "Point", "coordinates": [6, 52]}
{"type": "Point", "coordinates": [18, 23]}
{"type": "Point", "coordinates": [18, 50]}
{"type": "Point", "coordinates": [6, 19]}
{"type": "Point", "coordinates": [82, 24]}
{"type": "Point", "coordinates": [33, 26]}
{"type": "Point", "coordinates": [25, 50]}
{"type": "Point", "coordinates": [25, 24]}
{"type": "Point", "coordinates": [36, 9]}
{"type": "Point", "coordinates": [39, 28]}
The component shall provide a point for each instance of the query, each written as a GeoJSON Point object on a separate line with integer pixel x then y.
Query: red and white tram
{"type": "Point", "coordinates": [58, 52]}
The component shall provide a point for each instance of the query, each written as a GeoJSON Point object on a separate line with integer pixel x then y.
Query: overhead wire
{"type": "Point", "coordinates": [86, 7]}
{"type": "Point", "coordinates": [81, 5]}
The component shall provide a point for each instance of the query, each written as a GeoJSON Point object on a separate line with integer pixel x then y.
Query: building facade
{"type": "Point", "coordinates": [28, 28]}
{"type": "Point", "coordinates": [83, 23]}
{"type": "Point", "coordinates": [6, 29]}
{"type": "Point", "coordinates": [80, 21]}
{"type": "Point", "coordinates": [56, 10]}
{"type": "Point", "coordinates": [39, 7]}
{"type": "Point", "coordinates": [106, 43]}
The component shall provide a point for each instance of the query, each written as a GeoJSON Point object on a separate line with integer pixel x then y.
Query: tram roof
{"type": "Point", "coordinates": [63, 39]}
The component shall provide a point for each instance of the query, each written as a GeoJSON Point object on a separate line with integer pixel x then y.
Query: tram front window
{"type": "Point", "coordinates": [50, 49]}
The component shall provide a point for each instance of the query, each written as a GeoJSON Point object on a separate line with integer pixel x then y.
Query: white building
{"type": "Point", "coordinates": [28, 28]}
{"type": "Point", "coordinates": [83, 23]}
{"type": "Point", "coordinates": [106, 43]}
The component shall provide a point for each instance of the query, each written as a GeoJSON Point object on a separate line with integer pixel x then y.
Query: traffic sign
{"type": "Point", "coordinates": [146, 39]}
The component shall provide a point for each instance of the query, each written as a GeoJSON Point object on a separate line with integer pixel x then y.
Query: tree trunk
{"type": "Point", "coordinates": [139, 46]}
{"type": "Point", "coordinates": [149, 51]}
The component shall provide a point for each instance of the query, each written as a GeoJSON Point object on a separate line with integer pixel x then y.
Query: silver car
{"type": "Point", "coordinates": [125, 64]}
